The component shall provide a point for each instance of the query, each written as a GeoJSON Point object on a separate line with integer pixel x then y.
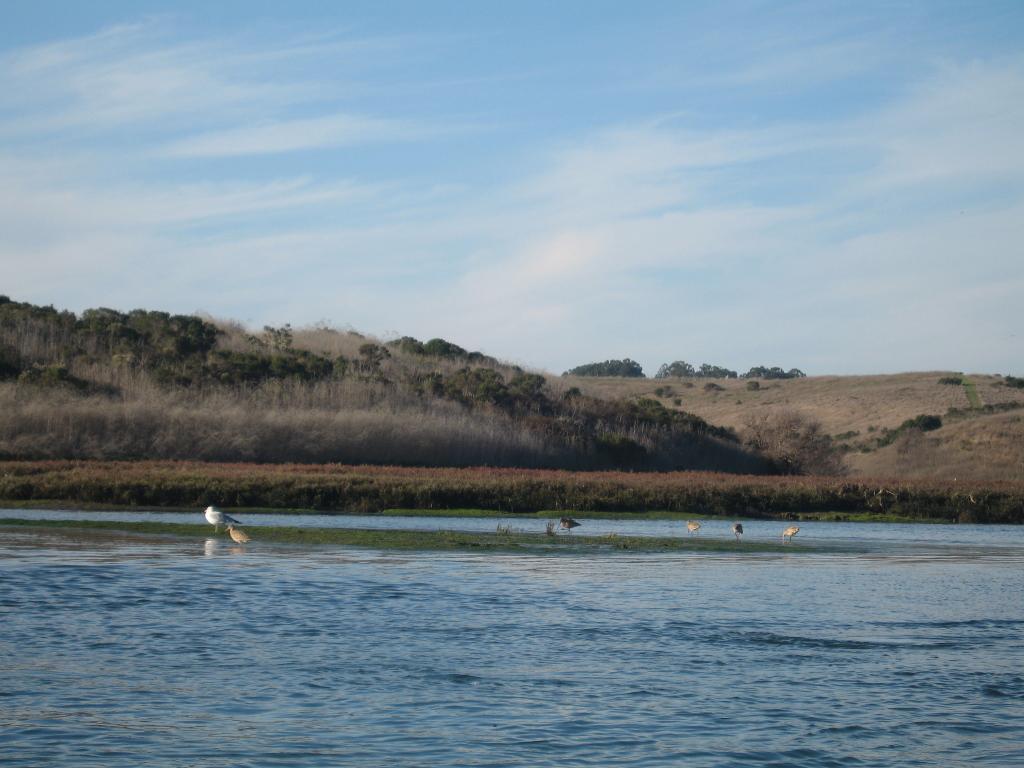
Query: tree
{"type": "Point", "coordinates": [708, 371]}
{"type": "Point", "coordinates": [680, 369]}
{"type": "Point", "coordinates": [775, 372]}
{"type": "Point", "coordinates": [626, 368]}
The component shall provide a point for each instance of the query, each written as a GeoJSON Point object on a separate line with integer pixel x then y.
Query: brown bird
{"type": "Point", "coordinates": [238, 536]}
{"type": "Point", "coordinates": [737, 529]}
{"type": "Point", "coordinates": [692, 526]}
{"type": "Point", "coordinates": [790, 532]}
{"type": "Point", "coordinates": [568, 523]}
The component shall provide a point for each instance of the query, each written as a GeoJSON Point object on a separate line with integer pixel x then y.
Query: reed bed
{"type": "Point", "coordinates": [349, 488]}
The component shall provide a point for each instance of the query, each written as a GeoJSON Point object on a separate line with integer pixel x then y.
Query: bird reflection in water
{"type": "Point", "coordinates": [210, 547]}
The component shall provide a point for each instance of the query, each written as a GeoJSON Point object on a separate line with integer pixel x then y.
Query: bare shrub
{"type": "Point", "coordinates": [218, 428]}
{"type": "Point", "coordinates": [795, 442]}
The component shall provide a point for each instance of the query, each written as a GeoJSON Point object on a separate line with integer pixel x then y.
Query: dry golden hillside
{"type": "Point", "coordinates": [989, 447]}
{"type": "Point", "coordinates": [855, 410]}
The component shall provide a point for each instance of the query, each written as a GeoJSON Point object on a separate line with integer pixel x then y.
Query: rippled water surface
{"type": "Point", "coordinates": [128, 650]}
{"type": "Point", "coordinates": [998, 537]}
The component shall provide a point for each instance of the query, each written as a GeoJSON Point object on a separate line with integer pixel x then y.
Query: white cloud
{"type": "Point", "coordinates": [657, 239]}
{"type": "Point", "coordinates": [892, 259]}
{"type": "Point", "coordinates": [963, 125]}
{"type": "Point", "coordinates": [140, 76]}
{"type": "Point", "coordinates": [290, 135]}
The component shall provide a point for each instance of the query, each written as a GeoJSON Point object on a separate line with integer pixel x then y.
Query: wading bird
{"type": "Point", "coordinates": [737, 529]}
{"type": "Point", "coordinates": [216, 518]}
{"type": "Point", "coordinates": [237, 536]}
{"type": "Point", "coordinates": [692, 526]}
{"type": "Point", "coordinates": [790, 532]}
{"type": "Point", "coordinates": [568, 524]}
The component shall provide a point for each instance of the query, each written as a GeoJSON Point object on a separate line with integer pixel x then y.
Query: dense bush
{"type": "Point", "coordinates": [921, 423]}
{"type": "Point", "coordinates": [10, 362]}
{"type": "Point", "coordinates": [924, 422]}
{"type": "Point", "coordinates": [247, 368]}
{"type": "Point", "coordinates": [1013, 381]}
{"type": "Point", "coordinates": [440, 348]}
{"type": "Point", "coordinates": [51, 376]}
{"type": "Point", "coordinates": [953, 381]}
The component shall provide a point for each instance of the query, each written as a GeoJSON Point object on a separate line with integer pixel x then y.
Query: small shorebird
{"type": "Point", "coordinates": [790, 532]}
{"type": "Point", "coordinates": [216, 518]}
{"type": "Point", "coordinates": [237, 536]}
{"type": "Point", "coordinates": [568, 524]}
{"type": "Point", "coordinates": [692, 526]}
{"type": "Point", "coordinates": [737, 529]}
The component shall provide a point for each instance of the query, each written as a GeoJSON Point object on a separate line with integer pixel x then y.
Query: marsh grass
{"type": "Point", "coordinates": [373, 489]}
{"type": "Point", "coordinates": [421, 540]}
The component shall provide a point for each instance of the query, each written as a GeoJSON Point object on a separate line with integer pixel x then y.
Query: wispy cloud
{"type": "Point", "coordinates": [142, 75]}
{"type": "Point", "coordinates": [290, 135]}
{"type": "Point", "coordinates": [868, 239]}
{"type": "Point", "coordinates": [640, 235]}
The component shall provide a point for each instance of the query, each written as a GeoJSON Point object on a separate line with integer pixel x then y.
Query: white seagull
{"type": "Point", "coordinates": [216, 518]}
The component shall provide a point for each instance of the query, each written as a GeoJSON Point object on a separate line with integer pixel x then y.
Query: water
{"type": "Point", "coordinates": [988, 537]}
{"type": "Point", "coordinates": [130, 650]}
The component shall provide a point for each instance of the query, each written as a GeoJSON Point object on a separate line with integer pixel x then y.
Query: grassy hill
{"type": "Point", "coordinates": [150, 385]}
{"type": "Point", "coordinates": [976, 440]}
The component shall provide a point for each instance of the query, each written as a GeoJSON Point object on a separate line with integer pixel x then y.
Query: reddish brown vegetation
{"type": "Point", "coordinates": [374, 488]}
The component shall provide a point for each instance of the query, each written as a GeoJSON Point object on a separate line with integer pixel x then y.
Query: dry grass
{"type": "Point", "coordinates": [274, 423]}
{"type": "Point", "coordinates": [985, 448]}
{"type": "Point", "coordinates": [383, 415]}
{"type": "Point", "coordinates": [347, 420]}
{"type": "Point", "coordinates": [334, 343]}
{"type": "Point", "coordinates": [839, 403]}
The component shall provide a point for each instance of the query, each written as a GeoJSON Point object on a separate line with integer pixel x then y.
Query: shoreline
{"type": "Point", "coordinates": [533, 543]}
{"type": "Point", "coordinates": [58, 505]}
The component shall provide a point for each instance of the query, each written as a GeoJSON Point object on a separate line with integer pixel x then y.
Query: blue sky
{"type": "Point", "coordinates": [835, 187]}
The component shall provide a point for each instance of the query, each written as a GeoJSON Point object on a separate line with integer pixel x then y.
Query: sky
{"type": "Point", "coordinates": [837, 187]}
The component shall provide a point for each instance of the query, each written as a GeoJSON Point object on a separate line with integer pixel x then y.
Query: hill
{"type": "Point", "coordinates": [151, 385]}
{"type": "Point", "coordinates": [981, 437]}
